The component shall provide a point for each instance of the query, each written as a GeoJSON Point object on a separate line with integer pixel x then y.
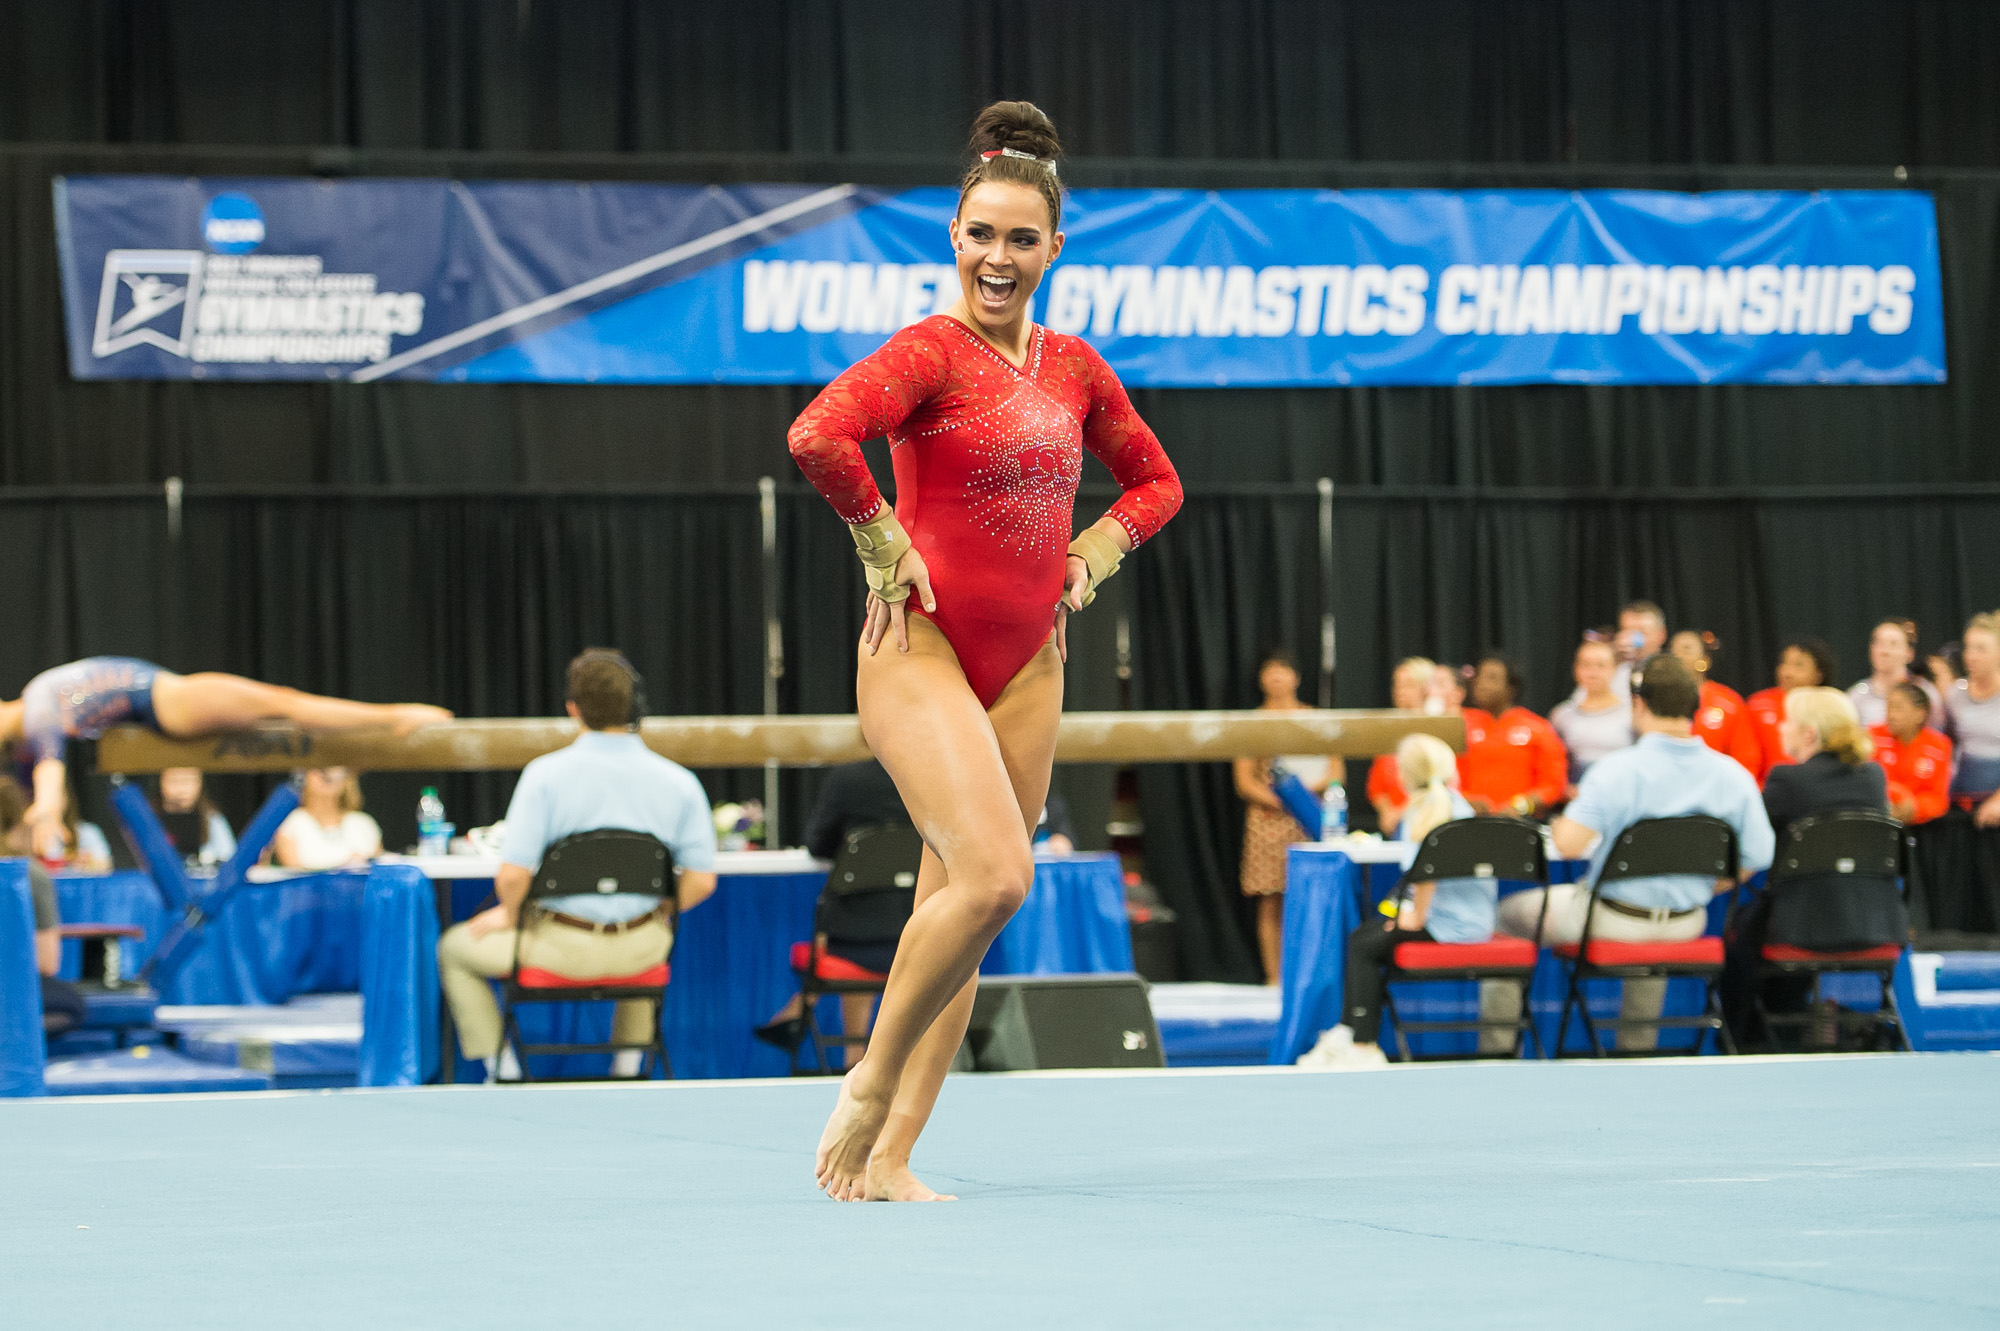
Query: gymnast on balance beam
{"type": "Point", "coordinates": [82, 699]}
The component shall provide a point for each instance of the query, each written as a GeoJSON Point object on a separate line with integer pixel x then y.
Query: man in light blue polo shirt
{"type": "Point", "coordinates": [1669, 773]}
{"type": "Point", "coordinates": [606, 778]}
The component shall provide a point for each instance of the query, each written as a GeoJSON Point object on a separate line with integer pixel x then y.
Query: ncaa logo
{"type": "Point", "coordinates": [232, 224]}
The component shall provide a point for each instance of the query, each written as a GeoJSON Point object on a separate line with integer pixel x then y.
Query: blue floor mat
{"type": "Point", "coordinates": [1746, 1193]}
{"type": "Point", "coordinates": [152, 1070]}
{"type": "Point", "coordinates": [1215, 1025]}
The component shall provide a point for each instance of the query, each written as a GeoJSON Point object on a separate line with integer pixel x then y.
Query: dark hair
{"type": "Point", "coordinates": [1015, 143]}
{"type": "Point", "coordinates": [1667, 687]}
{"type": "Point", "coordinates": [1514, 680]}
{"type": "Point", "coordinates": [13, 804]}
{"type": "Point", "coordinates": [1912, 694]}
{"type": "Point", "coordinates": [204, 807]}
{"type": "Point", "coordinates": [1821, 654]}
{"type": "Point", "coordinates": [601, 683]}
{"type": "Point", "coordinates": [1278, 656]}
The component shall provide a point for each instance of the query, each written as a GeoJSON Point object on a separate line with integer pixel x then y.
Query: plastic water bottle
{"type": "Point", "coordinates": [433, 832]}
{"type": "Point", "coordinates": [1333, 813]}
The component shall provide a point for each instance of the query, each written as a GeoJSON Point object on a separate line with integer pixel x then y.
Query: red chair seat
{"type": "Point", "coordinates": [833, 968]}
{"type": "Point", "coordinates": [653, 977]}
{"type": "Point", "coordinates": [1888, 952]}
{"type": "Point", "coordinates": [1607, 952]}
{"type": "Point", "coordinates": [1496, 952]}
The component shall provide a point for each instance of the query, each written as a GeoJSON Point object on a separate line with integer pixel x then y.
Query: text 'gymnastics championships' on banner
{"type": "Point", "coordinates": [455, 281]}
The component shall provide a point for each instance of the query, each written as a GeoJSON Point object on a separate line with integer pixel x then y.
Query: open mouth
{"type": "Point", "coordinates": [995, 292]}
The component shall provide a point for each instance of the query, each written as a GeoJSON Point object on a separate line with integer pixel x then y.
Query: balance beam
{"type": "Point", "coordinates": [497, 745]}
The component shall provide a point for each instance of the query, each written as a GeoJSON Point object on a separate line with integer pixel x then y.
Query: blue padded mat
{"type": "Point", "coordinates": [1215, 1025]}
{"type": "Point", "coordinates": [119, 1009]}
{"type": "Point", "coordinates": [155, 1070]}
{"type": "Point", "coordinates": [1745, 1193]}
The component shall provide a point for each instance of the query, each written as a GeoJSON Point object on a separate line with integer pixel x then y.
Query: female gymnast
{"type": "Point", "coordinates": [84, 698]}
{"type": "Point", "coordinates": [987, 415]}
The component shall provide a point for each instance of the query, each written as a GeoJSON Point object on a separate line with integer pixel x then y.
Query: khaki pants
{"type": "Point", "coordinates": [467, 963]}
{"type": "Point", "coordinates": [1642, 999]}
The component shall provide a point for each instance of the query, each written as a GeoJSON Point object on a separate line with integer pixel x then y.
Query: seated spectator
{"type": "Point", "coordinates": [1514, 763]}
{"type": "Point", "coordinates": [1945, 667]}
{"type": "Point", "coordinates": [1408, 687]}
{"type": "Point", "coordinates": [62, 1002]}
{"type": "Point", "coordinates": [1892, 647]}
{"type": "Point", "coordinates": [1598, 720]}
{"type": "Point", "coordinates": [1723, 721]}
{"type": "Point", "coordinates": [854, 795]}
{"type": "Point", "coordinates": [328, 830]}
{"type": "Point", "coordinates": [605, 778]}
{"type": "Point", "coordinates": [1454, 910]}
{"type": "Point", "coordinates": [199, 831]}
{"type": "Point", "coordinates": [1915, 758]}
{"type": "Point", "coordinates": [1055, 833]}
{"type": "Point", "coordinates": [1667, 774]}
{"type": "Point", "coordinates": [1268, 829]}
{"type": "Point", "coordinates": [1829, 771]}
{"type": "Point", "coordinates": [1803, 663]}
{"type": "Point", "coordinates": [1972, 721]}
{"type": "Point", "coordinates": [1446, 694]}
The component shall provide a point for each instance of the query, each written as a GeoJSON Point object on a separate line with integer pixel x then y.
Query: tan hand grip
{"type": "Point", "coordinates": [1100, 555]}
{"type": "Point", "coordinates": [880, 545]}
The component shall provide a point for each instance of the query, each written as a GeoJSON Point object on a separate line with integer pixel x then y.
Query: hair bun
{"type": "Point", "coordinates": [1021, 126]}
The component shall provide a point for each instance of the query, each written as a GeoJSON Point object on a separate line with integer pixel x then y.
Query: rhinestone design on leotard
{"type": "Point", "coordinates": [988, 458]}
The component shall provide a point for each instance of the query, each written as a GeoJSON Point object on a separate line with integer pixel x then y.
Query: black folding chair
{"type": "Point", "coordinates": [608, 860]}
{"type": "Point", "coordinates": [1505, 849]}
{"type": "Point", "coordinates": [869, 894]}
{"type": "Point", "coordinates": [1847, 847]}
{"type": "Point", "coordinates": [1696, 845]}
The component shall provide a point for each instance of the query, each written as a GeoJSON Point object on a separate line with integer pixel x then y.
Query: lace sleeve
{"type": "Point", "coordinates": [873, 397]}
{"type": "Point", "coordinates": [1116, 436]}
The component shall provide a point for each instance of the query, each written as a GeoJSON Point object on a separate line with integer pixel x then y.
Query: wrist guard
{"type": "Point", "coordinates": [1100, 555]}
{"type": "Point", "coordinates": [879, 544]}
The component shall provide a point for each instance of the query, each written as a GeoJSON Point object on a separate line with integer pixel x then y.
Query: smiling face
{"type": "Point", "coordinates": [1797, 670]}
{"type": "Point", "coordinates": [1492, 691]}
{"type": "Point", "coordinates": [1004, 244]}
{"type": "Point", "coordinates": [1905, 718]}
{"type": "Point", "coordinates": [1594, 666]}
{"type": "Point", "coordinates": [1889, 651]}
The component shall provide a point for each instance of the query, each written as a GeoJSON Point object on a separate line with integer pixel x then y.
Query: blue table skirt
{"type": "Point", "coordinates": [21, 1053]}
{"type": "Point", "coordinates": [1325, 896]}
{"type": "Point", "coordinates": [376, 932]}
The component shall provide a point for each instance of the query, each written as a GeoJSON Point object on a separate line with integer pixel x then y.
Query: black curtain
{"type": "Point", "coordinates": [1639, 81]}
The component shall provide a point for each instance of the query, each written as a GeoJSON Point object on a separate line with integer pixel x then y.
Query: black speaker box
{"type": "Point", "coordinates": [1024, 1022]}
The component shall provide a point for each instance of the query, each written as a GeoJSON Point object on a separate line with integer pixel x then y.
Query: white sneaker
{"type": "Point", "coordinates": [506, 1067]}
{"type": "Point", "coordinates": [1357, 1057]}
{"type": "Point", "coordinates": [1332, 1043]}
{"type": "Point", "coordinates": [625, 1063]}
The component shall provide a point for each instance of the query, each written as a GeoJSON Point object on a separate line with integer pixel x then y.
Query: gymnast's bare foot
{"type": "Point", "coordinates": [841, 1165]}
{"type": "Point", "coordinates": [415, 716]}
{"type": "Point", "coordinates": [892, 1181]}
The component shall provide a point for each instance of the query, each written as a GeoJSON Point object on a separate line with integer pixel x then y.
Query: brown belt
{"type": "Point", "coordinates": [1659, 913]}
{"type": "Point", "coordinates": [596, 926]}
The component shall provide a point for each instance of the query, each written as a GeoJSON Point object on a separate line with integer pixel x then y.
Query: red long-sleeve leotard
{"type": "Point", "coordinates": [987, 460]}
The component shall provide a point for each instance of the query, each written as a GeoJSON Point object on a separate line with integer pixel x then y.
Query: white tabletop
{"type": "Point", "coordinates": [730, 863]}
{"type": "Point", "coordinates": [1364, 850]}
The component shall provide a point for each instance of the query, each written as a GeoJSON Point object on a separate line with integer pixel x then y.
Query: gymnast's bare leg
{"type": "Point", "coordinates": [187, 706]}
{"type": "Point", "coordinates": [957, 777]}
{"type": "Point", "coordinates": [1024, 721]}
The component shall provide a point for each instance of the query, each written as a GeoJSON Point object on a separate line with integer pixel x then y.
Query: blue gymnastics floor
{"type": "Point", "coordinates": [1819, 1192]}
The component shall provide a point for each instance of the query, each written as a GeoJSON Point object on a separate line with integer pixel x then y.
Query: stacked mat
{"type": "Point", "coordinates": [1951, 1000]}
{"type": "Point", "coordinates": [1215, 1025]}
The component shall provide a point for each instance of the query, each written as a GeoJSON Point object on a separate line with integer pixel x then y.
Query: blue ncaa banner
{"type": "Point", "coordinates": [277, 278]}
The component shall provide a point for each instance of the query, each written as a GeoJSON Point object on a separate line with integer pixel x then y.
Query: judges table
{"type": "Point", "coordinates": [376, 931]}
{"type": "Point", "coordinates": [1330, 889]}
